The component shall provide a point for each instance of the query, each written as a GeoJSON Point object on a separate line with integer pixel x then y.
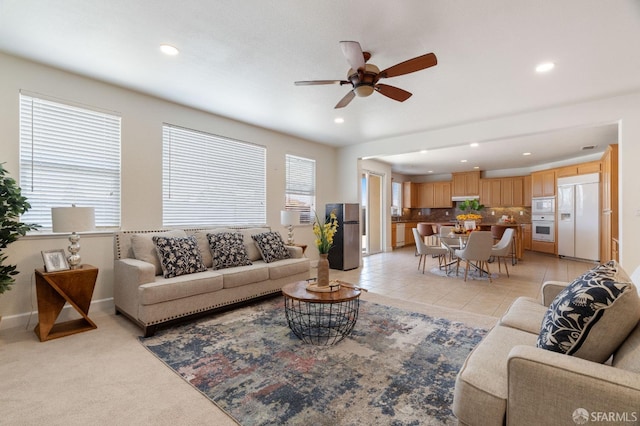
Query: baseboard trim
{"type": "Point", "coordinates": [30, 319]}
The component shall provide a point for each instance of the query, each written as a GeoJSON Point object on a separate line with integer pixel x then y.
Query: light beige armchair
{"type": "Point", "coordinates": [508, 380]}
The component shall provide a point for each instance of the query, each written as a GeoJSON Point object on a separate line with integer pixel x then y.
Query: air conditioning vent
{"type": "Point", "coordinates": [588, 147]}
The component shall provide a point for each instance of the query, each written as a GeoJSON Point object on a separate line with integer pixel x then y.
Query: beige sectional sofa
{"type": "Point", "coordinates": [507, 379]}
{"type": "Point", "coordinates": [145, 296]}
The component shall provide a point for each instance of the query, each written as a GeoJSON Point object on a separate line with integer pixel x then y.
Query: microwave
{"type": "Point", "coordinates": [543, 205]}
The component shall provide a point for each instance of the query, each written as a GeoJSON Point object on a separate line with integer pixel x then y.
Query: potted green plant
{"type": "Point", "coordinates": [12, 205]}
{"type": "Point", "coordinates": [470, 210]}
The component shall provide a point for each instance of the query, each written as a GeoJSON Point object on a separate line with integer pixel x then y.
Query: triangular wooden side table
{"type": "Point", "coordinates": [54, 289]}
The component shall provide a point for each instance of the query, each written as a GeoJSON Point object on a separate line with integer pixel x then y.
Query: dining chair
{"type": "Point", "coordinates": [504, 249]}
{"type": "Point", "coordinates": [426, 231]}
{"type": "Point", "coordinates": [478, 250]}
{"type": "Point", "coordinates": [425, 250]}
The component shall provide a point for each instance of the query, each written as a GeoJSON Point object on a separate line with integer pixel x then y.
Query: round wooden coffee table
{"type": "Point", "coordinates": [320, 318]}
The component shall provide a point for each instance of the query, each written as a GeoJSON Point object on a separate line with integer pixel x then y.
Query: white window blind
{"type": "Point", "coordinates": [211, 180]}
{"type": "Point", "coordinates": [301, 187]}
{"type": "Point", "coordinates": [69, 155]}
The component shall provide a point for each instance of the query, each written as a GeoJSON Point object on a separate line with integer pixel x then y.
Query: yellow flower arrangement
{"type": "Point", "coordinates": [324, 233]}
{"type": "Point", "coordinates": [469, 216]}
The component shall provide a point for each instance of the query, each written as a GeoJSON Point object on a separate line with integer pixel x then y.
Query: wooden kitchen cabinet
{"type": "Point", "coordinates": [442, 195]}
{"type": "Point", "coordinates": [425, 195]}
{"type": "Point", "coordinates": [409, 195]}
{"type": "Point", "coordinates": [394, 231]}
{"type": "Point", "coordinates": [466, 183]}
{"type": "Point", "coordinates": [609, 212]}
{"type": "Point", "coordinates": [502, 192]}
{"type": "Point", "coordinates": [434, 195]}
{"type": "Point", "coordinates": [517, 191]}
{"type": "Point", "coordinates": [543, 247]}
{"type": "Point", "coordinates": [526, 190]}
{"type": "Point", "coordinates": [590, 167]}
{"type": "Point", "coordinates": [543, 183]}
{"type": "Point", "coordinates": [527, 235]}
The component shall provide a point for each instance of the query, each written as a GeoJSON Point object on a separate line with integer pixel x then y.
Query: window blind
{"type": "Point", "coordinates": [69, 155]}
{"type": "Point", "coordinates": [211, 180]}
{"type": "Point", "coordinates": [301, 187]}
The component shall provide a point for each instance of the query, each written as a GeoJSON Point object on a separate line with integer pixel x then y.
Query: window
{"type": "Point", "coordinates": [211, 180]}
{"type": "Point", "coordinates": [69, 155]}
{"type": "Point", "coordinates": [396, 198]}
{"type": "Point", "coordinates": [301, 187]}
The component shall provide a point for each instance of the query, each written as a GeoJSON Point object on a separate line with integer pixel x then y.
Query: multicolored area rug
{"type": "Point", "coordinates": [397, 367]}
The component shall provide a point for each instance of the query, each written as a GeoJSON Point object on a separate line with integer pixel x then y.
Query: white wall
{"type": "Point", "coordinates": [142, 118]}
{"type": "Point", "coordinates": [624, 110]}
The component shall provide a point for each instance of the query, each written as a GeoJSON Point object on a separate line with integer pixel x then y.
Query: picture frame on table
{"type": "Point", "coordinates": [55, 260]}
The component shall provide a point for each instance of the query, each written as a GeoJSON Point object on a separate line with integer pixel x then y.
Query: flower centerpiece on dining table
{"type": "Point", "coordinates": [470, 209]}
{"type": "Point", "coordinates": [324, 233]}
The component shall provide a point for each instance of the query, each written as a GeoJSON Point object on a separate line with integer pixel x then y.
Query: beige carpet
{"type": "Point", "coordinates": [105, 377]}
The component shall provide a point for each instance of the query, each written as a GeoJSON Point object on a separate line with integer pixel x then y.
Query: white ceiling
{"type": "Point", "coordinates": [239, 59]}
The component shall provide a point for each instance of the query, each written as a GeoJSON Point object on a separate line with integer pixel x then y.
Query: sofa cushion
{"type": "Point", "coordinates": [167, 289]}
{"type": "Point", "coordinates": [178, 256]}
{"type": "Point", "coordinates": [524, 314]}
{"type": "Point", "coordinates": [227, 250]}
{"type": "Point", "coordinates": [271, 246]}
{"type": "Point", "coordinates": [593, 315]}
{"type": "Point", "coordinates": [627, 356]}
{"type": "Point", "coordinates": [203, 244]}
{"type": "Point", "coordinates": [243, 275]}
{"type": "Point", "coordinates": [145, 249]}
{"type": "Point", "coordinates": [252, 249]}
{"type": "Point", "coordinates": [288, 267]}
{"type": "Point", "coordinates": [480, 394]}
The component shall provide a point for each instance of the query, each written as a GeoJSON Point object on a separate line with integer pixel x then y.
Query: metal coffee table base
{"type": "Point", "coordinates": [321, 323]}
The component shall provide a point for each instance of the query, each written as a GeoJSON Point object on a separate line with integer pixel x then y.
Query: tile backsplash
{"type": "Point", "coordinates": [489, 214]}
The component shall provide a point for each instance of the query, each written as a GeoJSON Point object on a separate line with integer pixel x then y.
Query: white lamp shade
{"type": "Point", "coordinates": [288, 217]}
{"type": "Point", "coordinates": [73, 219]}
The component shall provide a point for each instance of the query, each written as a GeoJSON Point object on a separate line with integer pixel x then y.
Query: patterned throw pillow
{"type": "Point", "coordinates": [227, 250]}
{"type": "Point", "coordinates": [271, 246]}
{"type": "Point", "coordinates": [178, 256]}
{"type": "Point", "coordinates": [593, 315]}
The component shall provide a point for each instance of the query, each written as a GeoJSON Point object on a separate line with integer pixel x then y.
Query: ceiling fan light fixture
{"type": "Point", "coordinates": [363, 90]}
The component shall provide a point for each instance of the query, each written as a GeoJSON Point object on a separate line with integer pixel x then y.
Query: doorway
{"type": "Point", "coordinates": [372, 213]}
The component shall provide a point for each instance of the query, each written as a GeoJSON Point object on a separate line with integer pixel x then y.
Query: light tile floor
{"type": "Point", "coordinates": [395, 274]}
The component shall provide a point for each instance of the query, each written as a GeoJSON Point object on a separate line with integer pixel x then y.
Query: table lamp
{"type": "Point", "coordinates": [289, 219]}
{"type": "Point", "coordinates": [73, 219]}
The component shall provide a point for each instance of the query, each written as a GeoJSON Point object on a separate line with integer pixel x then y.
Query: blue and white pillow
{"type": "Point", "coordinates": [178, 256]}
{"type": "Point", "coordinates": [227, 250]}
{"type": "Point", "coordinates": [593, 315]}
{"type": "Point", "coordinates": [271, 246]}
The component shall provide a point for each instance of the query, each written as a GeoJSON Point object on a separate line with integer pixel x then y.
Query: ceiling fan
{"type": "Point", "coordinates": [364, 77]}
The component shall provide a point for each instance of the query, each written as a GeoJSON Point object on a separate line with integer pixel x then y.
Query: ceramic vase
{"type": "Point", "coordinates": [323, 271]}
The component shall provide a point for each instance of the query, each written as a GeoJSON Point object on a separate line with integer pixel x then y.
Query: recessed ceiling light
{"type": "Point", "coordinates": [476, 167]}
{"type": "Point", "coordinates": [169, 50]}
{"type": "Point", "coordinates": [463, 161]}
{"type": "Point", "coordinates": [338, 120]}
{"type": "Point", "coordinates": [424, 151]}
{"type": "Point", "coordinates": [430, 171]}
{"type": "Point", "coordinates": [545, 67]}
{"type": "Point", "coordinates": [474, 145]}
{"type": "Point", "coordinates": [526, 153]}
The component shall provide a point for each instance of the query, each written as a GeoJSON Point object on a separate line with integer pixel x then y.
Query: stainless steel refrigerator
{"type": "Point", "coordinates": [579, 216]}
{"type": "Point", "coordinates": [345, 253]}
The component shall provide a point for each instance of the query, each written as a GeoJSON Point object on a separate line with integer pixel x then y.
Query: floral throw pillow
{"type": "Point", "coordinates": [271, 246]}
{"type": "Point", "coordinates": [593, 315]}
{"type": "Point", "coordinates": [227, 250]}
{"type": "Point", "coordinates": [178, 256]}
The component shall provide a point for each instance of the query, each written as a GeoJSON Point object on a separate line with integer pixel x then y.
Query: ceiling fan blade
{"type": "Point", "coordinates": [353, 52]}
{"type": "Point", "coordinates": [412, 65]}
{"type": "Point", "coordinates": [345, 101]}
{"type": "Point", "coordinates": [392, 92]}
{"type": "Point", "coordinates": [317, 82]}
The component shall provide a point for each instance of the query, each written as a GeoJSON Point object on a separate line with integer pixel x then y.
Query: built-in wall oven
{"type": "Point", "coordinates": [543, 227]}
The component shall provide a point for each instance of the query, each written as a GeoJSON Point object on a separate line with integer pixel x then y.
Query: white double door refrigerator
{"type": "Point", "coordinates": [579, 216]}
